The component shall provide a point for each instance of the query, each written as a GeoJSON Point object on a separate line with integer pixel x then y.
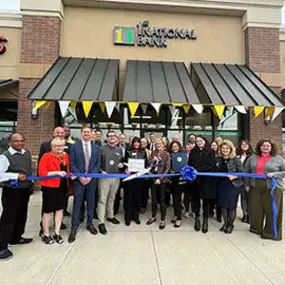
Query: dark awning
{"type": "Point", "coordinates": [164, 82]}
{"type": "Point", "coordinates": [5, 83]}
{"type": "Point", "coordinates": [79, 79]}
{"type": "Point", "coordinates": [226, 84]}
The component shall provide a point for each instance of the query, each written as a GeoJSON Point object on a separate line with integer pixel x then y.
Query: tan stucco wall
{"type": "Point", "coordinates": [89, 33]}
{"type": "Point", "coordinates": [10, 60]}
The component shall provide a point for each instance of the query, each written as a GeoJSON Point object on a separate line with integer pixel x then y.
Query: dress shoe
{"type": "Point", "coordinates": [72, 237]}
{"type": "Point", "coordinates": [197, 225]}
{"type": "Point", "coordinates": [245, 219]}
{"type": "Point", "coordinates": [102, 229]}
{"type": "Point", "coordinates": [177, 224]}
{"type": "Point", "coordinates": [92, 230]}
{"type": "Point", "coordinates": [21, 241]}
{"type": "Point", "coordinates": [219, 218]}
{"type": "Point", "coordinates": [205, 226]}
{"type": "Point", "coordinates": [137, 221]}
{"type": "Point", "coordinates": [113, 221]}
{"type": "Point", "coordinates": [162, 225]}
{"type": "Point", "coordinates": [63, 226]}
{"type": "Point", "coordinates": [229, 229]}
{"type": "Point", "coordinates": [5, 254]}
{"type": "Point", "coordinates": [127, 223]}
{"type": "Point", "coordinates": [151, 221]}
{"type": "Point", "coordinates": [66, 214]}
{"type": "Point", "coordinates": [223, 228]}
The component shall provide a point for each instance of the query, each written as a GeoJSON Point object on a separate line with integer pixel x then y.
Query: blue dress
{"type": "Point", "coordinates": [227, 193]}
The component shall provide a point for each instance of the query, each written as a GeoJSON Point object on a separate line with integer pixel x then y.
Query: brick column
{"type": "Point", "coordinates": [262, 51]}
{"type": "Point", "coordinates": [40, 45]}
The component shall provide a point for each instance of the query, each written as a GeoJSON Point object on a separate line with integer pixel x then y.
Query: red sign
{"type": "Point", "coordinates": [2, 47]}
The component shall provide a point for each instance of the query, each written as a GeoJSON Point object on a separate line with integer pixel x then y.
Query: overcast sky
{"type": "Point", "coordinates": [14, 5]}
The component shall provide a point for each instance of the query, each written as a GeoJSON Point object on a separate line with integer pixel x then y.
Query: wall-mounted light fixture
{"type": "Point", "coordinates": [35, 114]}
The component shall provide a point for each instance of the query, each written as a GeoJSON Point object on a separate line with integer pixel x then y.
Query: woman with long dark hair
{"type": "Point", "coordinates": [244, 151]}
{"type": "Point", "coordinates": [133, 188]}
{"type": "Point", "coordinates": [177, 187]}
{"type": "Point", "coordinates": [265, 161]}
{"type": "Point", "coordinates": [202, 158]}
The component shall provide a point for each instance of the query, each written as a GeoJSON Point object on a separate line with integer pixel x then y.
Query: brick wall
{"type": "Point", "coordinates": [262, 49]}
{"type": "Point", "coordinates": [40, 45]}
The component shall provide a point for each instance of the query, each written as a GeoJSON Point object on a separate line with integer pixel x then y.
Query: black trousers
{"type": "Point", "coordinates": [196, 203]}
{"type": "Point", "coordinates": [177, 190]}
{"type": "Point", "coordinates": [158, 191]}
{"type": "Point", "coordinates": [132, 199]}
{"type": "Point", "coordinates": [145, 192]}
{"type": "Point", "coordinates": [14, 216]}
{"type": "Point", "coordinates": [187, 197]}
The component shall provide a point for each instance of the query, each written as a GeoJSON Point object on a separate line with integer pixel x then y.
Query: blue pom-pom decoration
{"type": "Point", "coordinates": [188, 173]}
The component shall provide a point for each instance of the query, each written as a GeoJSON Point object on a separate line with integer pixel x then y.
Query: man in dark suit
{"type": "Point", "coordinates": [84, 158]}
{"type": "Point", "coordinates": [124, 147]}
{"type": "Point", "coordinates": [152, 139]}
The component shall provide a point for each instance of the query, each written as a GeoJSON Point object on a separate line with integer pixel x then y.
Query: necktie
{"type": "Point", "coordinates": [87, 158]}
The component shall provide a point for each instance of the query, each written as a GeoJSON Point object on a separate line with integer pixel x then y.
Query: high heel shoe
{"type": "Point", "coordinates": [151, 221]}
{"type": "Point", "coordinates": [223, 228]}
{"type": "Point", "coordinates": [177, 224]}
{"type": "Point", "coordinates": [229, 229]}
{"type": "Point", "coordinates": [197, 225]}
{"type": "Point", "coordinates": [162, 225]}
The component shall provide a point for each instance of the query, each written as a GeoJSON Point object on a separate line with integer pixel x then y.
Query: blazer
{"type": "Point", "coordinates": [50, 163]}
{"type": "Point", "coordinates": [77, 160]}
{"type": "Point", "coordinates": [163, 166]}
{"type": "Point", "coordinates": [234, 165]}
{"type": "Point", "coordinates": [46, 147]}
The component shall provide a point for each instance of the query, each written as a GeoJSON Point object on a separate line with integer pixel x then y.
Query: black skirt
{"type": "Point", "coordinates": [54, 198]}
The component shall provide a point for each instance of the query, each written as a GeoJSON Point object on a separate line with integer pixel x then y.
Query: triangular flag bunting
{"type": "Point", "coordinates": [133, 106]}
{"type": "Point", "coordinates": [37, 105]}
{"type": "Point", "coordinates": [63, 106]}
{"type": "Point", "coordinates": [258, 110]}
{"type": "Point", "coordinates": [177, 104]}
{"type": "Point", "coordinates": [102, 107]}
{"type": "Point", "coordinates": [72, 112]}
{"type": "Point", "coordinates": [268, 112]}
{"type": "Point", "coordinates": [48, 105]}
{"type": "Point", "coordinates": [87, 105]}
{"type": "Point", "coordinates": [172, 110]}
{"type": "Point", "coordinates": [186, 108]}
{"type": "Point", "coordinates": [277, 111]}
{"type": "Point", "coordinates": [156, 106]}
{"type": "Point", "coordinates": [230, 110]}
{"type": "Point", "coordinates": [117, 106]}
{"type": "Point", "coordinates": [144, 108]}
{"type": "Point", "coordinates": [110, 108]}
{"type": "Point", "coordinates": [198, 108]}
{"type": "Point", "coordinates": [241, 109]}
{"type": "Point", "coordinates": [219, 110]}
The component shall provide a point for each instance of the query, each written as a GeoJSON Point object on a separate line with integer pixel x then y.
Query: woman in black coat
{"type": "Point", "coordinates": [133, 188]}
{"type": "Point", "coordinates": [202, 158]}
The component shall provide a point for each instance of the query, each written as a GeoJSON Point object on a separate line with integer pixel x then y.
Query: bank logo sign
{"type": "Point", "coordinates": [144, 35]}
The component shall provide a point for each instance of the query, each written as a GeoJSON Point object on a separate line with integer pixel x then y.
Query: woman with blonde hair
{"type": "Point", "coordinates": [228, 187]}
{"type": "Point", "coordinates": [54, 190]}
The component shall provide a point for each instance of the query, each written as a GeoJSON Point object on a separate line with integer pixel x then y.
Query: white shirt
{"type": "Point", "coordinates": [88, 145]}
{"type": "Point", "coordinates": [4, 165]}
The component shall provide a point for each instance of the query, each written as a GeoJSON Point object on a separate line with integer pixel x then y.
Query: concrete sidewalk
{"type": "Point", "coordinates": [143, 255]}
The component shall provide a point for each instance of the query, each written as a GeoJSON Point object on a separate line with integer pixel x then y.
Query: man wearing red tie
{"type": "Point", "coordinates": [84, 158]}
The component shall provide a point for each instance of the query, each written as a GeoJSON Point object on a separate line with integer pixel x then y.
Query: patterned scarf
{"type": "Point", "coordinates": [60, 156]}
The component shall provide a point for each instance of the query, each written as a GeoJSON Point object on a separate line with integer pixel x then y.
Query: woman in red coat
{"type": "Point", "coordinates": [53, 163]}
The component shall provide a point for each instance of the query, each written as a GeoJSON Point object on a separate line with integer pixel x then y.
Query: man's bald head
{"type": "Point", "coordinates": [59, 132]}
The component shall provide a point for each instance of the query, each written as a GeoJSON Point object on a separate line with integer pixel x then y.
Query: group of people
{"type": "Point", "coordinates": [101, 197]}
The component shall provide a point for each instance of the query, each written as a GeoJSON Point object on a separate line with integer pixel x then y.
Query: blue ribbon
{"type": "Point", "coordinates": [188, 173]}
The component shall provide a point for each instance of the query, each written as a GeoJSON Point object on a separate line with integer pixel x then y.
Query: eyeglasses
{"type": "Point", "coordinates": [16, 141]}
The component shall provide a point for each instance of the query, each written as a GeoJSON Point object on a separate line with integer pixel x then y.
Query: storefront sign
{"type": "Point", "coordinates": [144, 35]}
{"type": "Point", "coordinates": [2, 47]}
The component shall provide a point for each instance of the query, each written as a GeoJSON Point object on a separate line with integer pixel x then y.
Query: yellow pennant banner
{"type": "Point", "coordinates": [38, 104]}
{"type": "Point", "coordinates": [219, 110]}
{"type": "Point", "coordinates": [73, 105]}
{"type": "Point", "coordinates": [133, 106]}
{"type": "Point", "coordinates": [177, 104]}
{"type": "Point", "coordinates": [258, 110]}
{"type": "Point", "coordinates": [87, 105]}
{"type": "Point", "coordinates": [48, 105]}
{"type": "Point", "coordinates": [186, 108]}
{"type": "Point", "coordinates": [268, 112]}
{"type": "Point", "coordinates": [102, 107]}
